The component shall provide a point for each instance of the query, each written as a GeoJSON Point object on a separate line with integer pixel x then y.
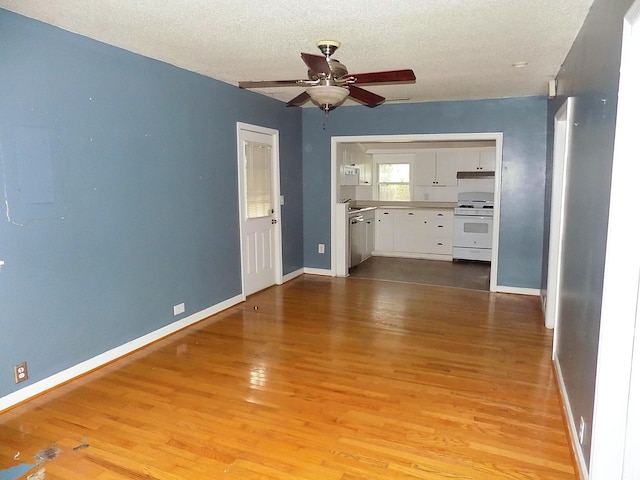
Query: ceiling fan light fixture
{"type": "Point", "coordinates": [327, 96]}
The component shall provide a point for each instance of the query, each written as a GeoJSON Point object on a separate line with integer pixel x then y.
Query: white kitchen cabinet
{"type": "Point", "coordinates": [352, 156]}
{"type": "Point", "coordinates": [424, 168]}
{"type": "Point", "coordinates": [423, 231]}
{"type": "Point", "coordinates": [464, 160]}
{"type": "Point", "coordinates": [436, 169]}
{"type": "Point", "coordinates": [384, 230]}
{"type": "Point", "coordinates": [446, 172]}
{"type": "Point", "coordinates": [415, 232]}
{"type": "Point", "coordinates": [365, 166]}
{"type": "Point", "coordinates": [481, 159]}
{"type": "Point", "coordinates": [350, 175]}
{"type": "Point", "coordinates": [409, 230]}
{"type": "Point", "coordinates": [370, 233]}
{"type": "Point", "coordinates": [439, 239]}
{"type": "Point", "coordinates": [488, 159]}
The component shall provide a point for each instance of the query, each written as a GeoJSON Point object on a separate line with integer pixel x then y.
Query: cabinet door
{"type": "Point", "coordinates": [446, 171]}
{"type": "Point", "coordinates": [468, 160]}
{"type": "Point", "coordinates": [365, 164]}
{"type": "Point", "coordinates": [488, 159]}
{"type": "Point", "coordinates": [409, 231]}
{"type": "Point", "coordinates": [370, 239]}
{"type": "Point", "coordinates": [424, 169]}
{"type": "Point", "coordinates": [384, 230]}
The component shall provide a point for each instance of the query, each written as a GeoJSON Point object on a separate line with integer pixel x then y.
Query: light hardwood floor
{"type": "Point", "coordinates": [321, 378]}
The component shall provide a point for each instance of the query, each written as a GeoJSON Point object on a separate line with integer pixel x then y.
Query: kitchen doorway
{"type": "Point", "coordinates": [408, 141]}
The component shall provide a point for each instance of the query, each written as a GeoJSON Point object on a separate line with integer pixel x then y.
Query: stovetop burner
{"type": "Point", "coordinates": [474, 204]}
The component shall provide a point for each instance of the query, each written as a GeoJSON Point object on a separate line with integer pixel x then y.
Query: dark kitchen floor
{"type": "Point", "coordinates": [461, 274]}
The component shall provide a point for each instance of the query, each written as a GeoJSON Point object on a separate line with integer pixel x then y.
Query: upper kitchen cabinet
{"type": "Point", "coordinates": [432, 168]}
{"type": "Point", "coordinates": [488, 159]}
{"type": "Point", "coordinates": [353, 155]}
{"type": "Point", "coordinates": [365, 164]}
{"type": "Point", "coordinates": [476, 159]}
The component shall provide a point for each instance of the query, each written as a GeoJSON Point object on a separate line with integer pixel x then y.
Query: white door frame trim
{"type": "Point", "coordinates": [615, 442]}
{"type": "Point", "coordinates": [496, 136]}
{"type": "Point", "coordinates": [561, 143]}
{"type": "Point", "coordinates": [275, 135]}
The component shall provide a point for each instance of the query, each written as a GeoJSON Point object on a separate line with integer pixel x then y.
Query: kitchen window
{"type": "Point", "coordinates": [394, 181]}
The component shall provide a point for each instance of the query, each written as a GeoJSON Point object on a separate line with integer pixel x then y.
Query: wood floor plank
{"type": "Point", "coordinates": [320, 378]}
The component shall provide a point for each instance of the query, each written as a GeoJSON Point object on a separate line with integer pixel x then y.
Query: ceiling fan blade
{"type": "Point", "coordinates": [370, 99]}
{"type": "Point", "coordinates": [269, 83]}
{"type": "Point", "coordinates": [391, 76]}
{"type": "Point", "coordinates": [299, 100]}
{"type": "Point", "coordinates": [316, 63]}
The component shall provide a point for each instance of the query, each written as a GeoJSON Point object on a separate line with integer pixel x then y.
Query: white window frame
{"type": "Point", "coordinates": [377, 182]}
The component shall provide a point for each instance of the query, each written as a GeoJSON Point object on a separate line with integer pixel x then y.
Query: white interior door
{"type": "Point", "coordinates": [258, 184]}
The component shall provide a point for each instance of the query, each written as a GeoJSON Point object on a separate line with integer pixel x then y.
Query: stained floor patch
{"type": "Point", "coordinates": [48, 453]}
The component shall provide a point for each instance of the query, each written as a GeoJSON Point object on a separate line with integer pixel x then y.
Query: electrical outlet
{"type": "Point", "coordinates": [581, 430]}
{"type": "Point", "coordinates": [20, 372]}
{"type": "Point", "coordinates": [178, 309]}
{"type": "Point", "coordinates": [321, 248]}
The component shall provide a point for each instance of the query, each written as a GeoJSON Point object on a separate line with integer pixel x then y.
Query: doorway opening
{"type": "Point", "coordinates": [421, 194]}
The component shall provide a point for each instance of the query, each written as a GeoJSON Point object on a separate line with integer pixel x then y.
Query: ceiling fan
{"type": "Point", "coordinates": [330, 83]}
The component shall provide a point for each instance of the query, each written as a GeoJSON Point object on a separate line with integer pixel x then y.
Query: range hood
{"type": "Point", "coordinates": [476, 174]}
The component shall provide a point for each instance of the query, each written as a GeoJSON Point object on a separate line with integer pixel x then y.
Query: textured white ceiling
{"type": "Point", "coordinates": [458, 49]}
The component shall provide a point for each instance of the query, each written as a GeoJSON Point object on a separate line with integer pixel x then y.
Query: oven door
{"type": "Point", "coordinates": [472, 231]}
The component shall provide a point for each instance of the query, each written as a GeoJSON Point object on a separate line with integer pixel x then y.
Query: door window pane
{"type": "Point", "coordinates": [258, 194]}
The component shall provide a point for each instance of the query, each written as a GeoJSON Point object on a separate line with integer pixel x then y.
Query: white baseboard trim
{"type": "Point", "coordinates": [318, 271]}
{"type": "Point", "coordinates": [292, 275]}
{"type": "Point", "coordinates": [518, 290]}
{"type": "Point", "coordinates": [573, 432]}
{"type": "Point", "coordinates": [81, 368]}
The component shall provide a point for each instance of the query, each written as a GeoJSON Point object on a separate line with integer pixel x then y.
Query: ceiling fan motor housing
{"type": "Point", "coordinates": [338, 70]}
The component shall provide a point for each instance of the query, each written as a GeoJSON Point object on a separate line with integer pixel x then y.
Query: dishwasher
{"type": "Point", "coordinates": [357, 239]}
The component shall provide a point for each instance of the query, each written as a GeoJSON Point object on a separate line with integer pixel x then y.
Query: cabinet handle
{"type": "Point", "coordinates": [441, 214]}
{"type": "Point", "coordinates": [440, 243]}
{"type": "Point", "coordinates": [385, 213]}
{"type": "Point", "coordinates": [439, 226]}
{"type": "Point", "coordinates": [410, 213]}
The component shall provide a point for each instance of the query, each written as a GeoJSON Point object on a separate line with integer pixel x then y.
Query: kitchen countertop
{"type": "Point", "coordinates": [372, 204]}
{"type": "Point", "coordinates": [355, 210]}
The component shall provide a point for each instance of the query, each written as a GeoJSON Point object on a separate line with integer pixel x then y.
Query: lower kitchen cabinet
{"type": "Point", "coordinates": [384, 230]}
{"type": "Point", "coordinates": [414, 232]}
{"type": "Point", "coordinates": [370, 233]}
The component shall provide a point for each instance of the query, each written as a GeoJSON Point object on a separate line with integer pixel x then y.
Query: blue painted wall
{"type": "Point", "coordinates": [144, 212]}
{"type": "Point", "coordinates": [590, 73]}
{"type": "Point", "coordinates": [523, 122]}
